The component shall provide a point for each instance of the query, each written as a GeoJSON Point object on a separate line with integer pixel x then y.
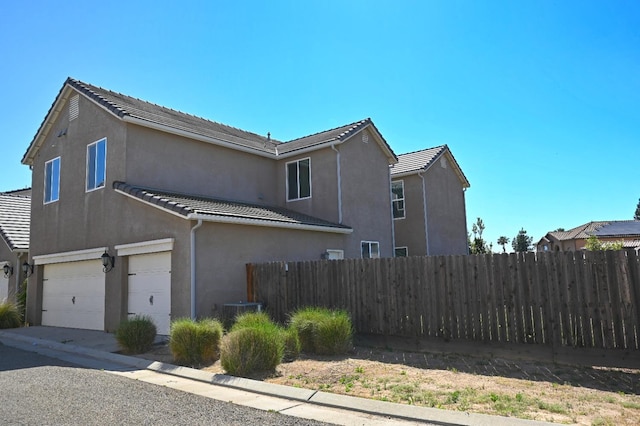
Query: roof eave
{"type": "Point", "coordinates": [452, 160]}
{"type": "Point", "coordinates": [267, 223]}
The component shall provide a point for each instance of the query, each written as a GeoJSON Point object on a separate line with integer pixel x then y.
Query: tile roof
{"type": "Point", "coordinates": [15, 215]}
{"type": "Point", "coordinates": [198, 207]}
{"type": "Point", "coordinates": [125, 107]}
{"type": "Point", "coordinates": [613, 228]}
{"type": "Point", "coordinates": [422, 160]}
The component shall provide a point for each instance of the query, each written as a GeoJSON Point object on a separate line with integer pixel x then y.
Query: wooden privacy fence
{"type": "Point", "coordinates": [576, 299]}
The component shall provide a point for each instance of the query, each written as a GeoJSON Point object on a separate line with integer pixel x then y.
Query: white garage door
{"type": "Point", "coordinates": [73, 295]}
{"type": "Point", "coordinates": [150, 288]}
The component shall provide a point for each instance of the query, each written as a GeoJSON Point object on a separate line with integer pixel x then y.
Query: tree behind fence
{"type": "Point", "coordinates": [576, 299]}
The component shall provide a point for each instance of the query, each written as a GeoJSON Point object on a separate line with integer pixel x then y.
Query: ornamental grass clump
{"type": "Point", "coordinates": [195, 343]}
{"type": "Point", "coordinates": [251, 349]}
{"type": "Point", "coordinates": [136, 335]}
{"type": "Point", "coordinates": [323, 331]}
{"type": "Point", "coordinates": [9, 315]}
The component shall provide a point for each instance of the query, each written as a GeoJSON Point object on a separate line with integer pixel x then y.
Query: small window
{"type": "Point", "coordinates": [96, 164]}
{"type": "Point", "coordinates": [370, 250]}
{"type": "Point", "coordinates": [334, 254]}
{"type": "Point", "coordinates": [299, 179]}
{"type": "Point", "coordinates": [397, 199]}
{"type": "Point", "coordinates": [401, 252]}
{"type": "Point", "coordinates": [52, 180]}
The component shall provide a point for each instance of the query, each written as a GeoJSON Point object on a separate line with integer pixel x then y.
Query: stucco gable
{"type": "Point", "coordinates": [194, 207]}
{"type": "Point", "coordinates": [421, 161]}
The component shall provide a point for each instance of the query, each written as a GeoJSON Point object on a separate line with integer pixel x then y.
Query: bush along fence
{"type": "Point", "coordinates": [571, 299]}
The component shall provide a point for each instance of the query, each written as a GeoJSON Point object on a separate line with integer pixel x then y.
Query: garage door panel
{"type": "Point", "coordinates": [73, 295]}
{"type": "Point", "coordinates": [150, 288]}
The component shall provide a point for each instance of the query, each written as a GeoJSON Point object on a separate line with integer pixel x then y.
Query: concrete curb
{"type": "Point", "coordinates": [363, 405]}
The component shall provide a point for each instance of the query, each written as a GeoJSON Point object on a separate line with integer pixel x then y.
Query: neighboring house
{"type": "Point", "coordinates": [15, 209]}
{"type": "Point", "coordinates": [627, 231]}
{"type": "Point", "coordinates": [176, 206]}
{"type": "Point", "coordinates": [428, 189]}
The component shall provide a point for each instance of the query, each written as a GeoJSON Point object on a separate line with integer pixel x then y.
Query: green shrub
{"type": "Point", "coordinates": [195, 343]}
{"type": "Point", "coordinates": [323, 331]}
{"type": "Point", "coordinates": [9, 315]}
{"type": "Point", "coordinates": [252, 319]}
{"type": "Point", "coordinates": [251, 349]}
{"type": "Point", "coordinates": [136, 335]}
{"type": "Point", "coordinates": [292, 345]}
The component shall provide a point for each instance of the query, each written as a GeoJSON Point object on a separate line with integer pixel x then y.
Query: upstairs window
{"type": "Point", "coordinates": [52, 180]}
{"type": "Point", "coordinates": [370, 249]}
{"type": "Point", "coordinates": [96, 164]}
{"type": "Point", "coordinates": [299, 179]}
{"type": "Point", "coordinates": [397, 199]}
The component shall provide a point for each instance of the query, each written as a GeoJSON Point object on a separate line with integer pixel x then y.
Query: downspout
{"type": "Point", "coordinates": [466, 229]}
{"type": "Point", "coordinates": [393, 221]}
{"type": "Point", "coordinates": [424, 207]}
{"type": "Point", "coordinates": [339, 183]}
{"type": "Point", "coordinates": [193, 268]}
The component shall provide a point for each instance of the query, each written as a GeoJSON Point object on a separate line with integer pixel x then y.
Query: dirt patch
{"type": "Point", "coordinates": [523, 389]}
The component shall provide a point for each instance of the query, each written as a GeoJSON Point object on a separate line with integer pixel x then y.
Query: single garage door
{"type": "Point", "coordinates": [73, 295]}
{"type": "Point", "coordinates": [150, 288]}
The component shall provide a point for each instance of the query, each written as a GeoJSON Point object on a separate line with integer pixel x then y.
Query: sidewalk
{"type": "Point", "coordinates": [94, 349]}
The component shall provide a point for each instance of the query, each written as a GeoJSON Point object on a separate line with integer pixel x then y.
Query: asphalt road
{"type": "Point", "coordinates": [37, 390]}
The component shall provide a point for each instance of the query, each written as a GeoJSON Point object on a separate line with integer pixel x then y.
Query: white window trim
{"type": "Point", "coordinates": [287, 179]}
{"type": "Point", "coordinates": [44, 195]}
{"type": "Point", "coordinates": [338, 253]}
{"type": "Point", "coordinates": [86, 184]}
{"type": "Point", "coordinates": [406, 249]}
{"type": "Point", "coordinates": [369, 243]}
{"type": "Point", "coordinates": [70, 256]}
{"type": "Point", "coordinates": [404, 204]}
{"type": "Point", "coordinates": [145, 247]}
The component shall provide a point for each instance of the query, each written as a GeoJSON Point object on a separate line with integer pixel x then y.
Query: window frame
{"type": "Point", "coordinates": [406, 251]}
{"type": "Point", "coordinates": [298, 181]}
{"type": "Point", "coordinates": [398, 200]}
{"type": "Point", "coordinates": [96, 168]}
{"type": "Point", "coordinates": [369, 244]}
{"type": "Point", "coordinates": [48, 181]}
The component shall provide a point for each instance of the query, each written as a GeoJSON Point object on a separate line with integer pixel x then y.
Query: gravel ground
{"type": "Point", "coordinates": [37, 390]}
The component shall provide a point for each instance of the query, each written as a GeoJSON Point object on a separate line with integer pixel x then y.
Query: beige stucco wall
{"type": "Point", "coordinates": [409, 231]}
{"type": "Point", "coordinates": [446, 213]}
{"type": "Point", "coordinates": [160, 160]}
{"type": "Point", "coordinates": [223, 251]}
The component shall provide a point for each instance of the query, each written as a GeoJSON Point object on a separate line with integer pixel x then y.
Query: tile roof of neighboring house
{"type": "Point", "coordinates": [147, 113]}
{"type": "Point", "coordinates": [15, 215]}
{"type": "Point", "coordinates": [422, 160]}
{"type": "Point", "coordinates": [218, 210]}
{"type": "Point", "coordinates": [613, 228]}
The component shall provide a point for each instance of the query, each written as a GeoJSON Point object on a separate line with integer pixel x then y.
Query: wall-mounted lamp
{"type": "Point", "coordinates": [8, 270]}
{"type": "Point", "coordinates": [27, 269]}
{"type": "Point", "coordinates": [108, 262]}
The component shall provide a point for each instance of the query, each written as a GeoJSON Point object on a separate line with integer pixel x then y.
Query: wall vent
{"type": "Point", "coordinates": [74, 107]}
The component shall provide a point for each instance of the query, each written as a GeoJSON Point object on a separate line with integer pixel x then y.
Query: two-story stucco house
{"type": "Point", "coordinates": [428, 188]}
{"type": "Point", "coordinates": [176, 205]}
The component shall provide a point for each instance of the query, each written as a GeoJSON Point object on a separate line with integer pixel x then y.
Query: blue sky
{"type": "Point", "coordinates": [538, 101]}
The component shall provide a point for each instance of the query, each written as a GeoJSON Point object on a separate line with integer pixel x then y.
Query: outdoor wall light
{"type": "Point", "coordinates": [107, 262]}
{"type": "Point", "coordinates": [8, 270]}
{"type": "Point", "coordinates": [27, 269]}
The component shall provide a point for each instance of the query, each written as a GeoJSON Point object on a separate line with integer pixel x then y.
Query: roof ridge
{"type": "Point", "coordinates": [425, 149]}
{"type": "Point", "coordinates": [352, 126]}
{"type": "Point", "coordinates": [88, 87]}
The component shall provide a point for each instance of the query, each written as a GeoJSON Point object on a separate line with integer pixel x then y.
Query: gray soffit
{"type": "Point", "coordinates": [15, 214]}
{"type": "Point", "coordinates": [217, 210]}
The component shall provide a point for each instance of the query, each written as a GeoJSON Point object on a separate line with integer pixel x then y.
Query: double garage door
{"type": "Point", "coordinates": [74, 292]}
